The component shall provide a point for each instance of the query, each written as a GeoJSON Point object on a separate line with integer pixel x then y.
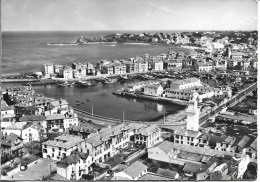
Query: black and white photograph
{"type": "Point", "coordinates": [147, 90]}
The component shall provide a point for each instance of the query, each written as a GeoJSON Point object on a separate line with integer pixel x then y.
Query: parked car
{"type": "Point", "coordinates": [23, 166]}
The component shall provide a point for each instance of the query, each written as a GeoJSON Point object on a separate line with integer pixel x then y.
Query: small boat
{"type": "Point", "coordinates": [65, 84]}
{"type": "Point", "coordinates": [123, 78]}
{"type": "Point", "coordinates": [84, 84]}
{"type": "Point", "coordinates": [109, 80]}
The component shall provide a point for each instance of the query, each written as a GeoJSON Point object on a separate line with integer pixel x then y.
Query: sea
{"type": "Point", "coordinates": [27, 52]}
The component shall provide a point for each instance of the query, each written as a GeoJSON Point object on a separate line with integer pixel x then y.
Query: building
{"type": "Point", "coordinates": [168, 173]}
{"type": "Point", "coordinates": [15, 128]}
{"type": "Point", "coordinates": [60, 122]}
{"type": "Point", "coordinates": [119, 69]}
{"type": "Point", "coordinates": [219, 172]}
{"type": "Point", "coordinates": [180, 154]}
{"type": "Point", "coordinates": [186, 137]}
{"type": "Point", "coordinates": [48, 69]}
{"type": "Point", "coordinates": [204, 67]}
{"type": "Point", "coordinates": [74, 166]}
{"type": "Point", "coordinates": [32, 132]}
{"type": "Point", "coordinates": [60, 147]}
{"type": "Point", "coordinates": [157, 65]}
{"type": "Point", "coordinates": [107, 142]}
{"type": "Point", "coordinates": [142, 66]}
{"type": "Point", "coordinates": [185, 83]}
{"type": "Point", "coordinates": [190, 169]}
{"type": "Point", "coordinates": [108, 69]}
{"type": "Point", "coordinates": [193, 114]}
{"type": "Point", "coordinates": [67, 73]}
{"type": "Point", "coordinates": [148, 136]}
{"type": "Point", "coordinates": [11, 145]}
{"type": "Point", "coordinates": [153, 90]}
{"type": "Point", "coordinates": [133, 172]}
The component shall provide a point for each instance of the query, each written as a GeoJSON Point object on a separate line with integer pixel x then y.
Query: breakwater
{"type": "Point", "coordinates": [161, 99]}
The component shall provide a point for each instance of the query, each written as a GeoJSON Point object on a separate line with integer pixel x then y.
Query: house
{"type": "Point", "coordinates": [204, 67]}
{"type": "Point", "coordinates": [133, 172]}
{"type": "Point", "coordinates": [32, 132]}
{"type": "Point", "coordinates": [157, 65]}
{"type": "Point", "coordinates": [168, 173]}
{"type": "Point", "coordinates": [142, 66]}
{"type": "Point", "coordinates": [219, 172]}
{"type": "Point", "coordinates": [107, 142]}
{"type": "Point", "coordinates": [82, 131]}
{"type": "Point", "coordinates": [119, 69]}
{"type": "Point", "coordinates": [67, 73]}
{"type": "Point", "coordinates": [186, 137]}
{"type": "Point", "coordinates": [48, 70]}
{"type": "Point", "coordinates": [60, 147]}
{"type": "Point", "coordinates": [74, 166]}
{"type": "Point", "coordinates": [60, 122]}
{"type": "Point", "coordinates": [108, 69]}
{"type": "Point", "coordinates": [15, 128]}
{"type": "Point", "coordinates": [148, 136]}
{"type": "Point", "coordinates": [205, 171]}
{"type": "Point", "coordinates": [190, 169]}
{"type": "Point", "coordinates": [11, 145]}
{"type": "Point", "coordinates": [153, 90]}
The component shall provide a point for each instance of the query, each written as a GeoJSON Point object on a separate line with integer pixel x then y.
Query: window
{"type": "Point", "coordinates": [59, 148]}
{"type": "Point", "coordinates": [53, 150]}
{"type": "Point", "coordinates": [52, 154]}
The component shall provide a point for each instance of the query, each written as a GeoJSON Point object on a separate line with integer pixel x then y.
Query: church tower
{"type": "Point", "coordinates": [193, 114]}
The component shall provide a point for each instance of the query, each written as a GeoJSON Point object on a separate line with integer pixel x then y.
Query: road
{"type": "Point", "coordinates": [34, 171]}
{"type": "Point", "coordinates": [237, 98]}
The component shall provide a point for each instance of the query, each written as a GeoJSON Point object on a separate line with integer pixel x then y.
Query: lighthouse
{"type": "Point", "coordinates": [193, 113]}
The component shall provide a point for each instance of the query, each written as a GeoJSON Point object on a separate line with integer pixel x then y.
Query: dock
{"type": "Point", "coordinates": [149, 97]}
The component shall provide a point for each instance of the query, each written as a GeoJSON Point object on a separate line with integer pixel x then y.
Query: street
{"type": "Point", "coordinates": [34, 171]}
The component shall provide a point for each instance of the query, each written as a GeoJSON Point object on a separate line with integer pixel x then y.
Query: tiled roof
{"type": "Point", "coordinates": [55, 116]}
{"type": "Point", "coordinates": [32, 118]}
{"type": "Point", "coordinates": [166, 172]}
{"type": "Point", "coordinates": [105, 133]}
{"type": "Point", "coordinates": [135, 169]}
{"type": "Point", "coordinates": [244, 141]}
{"type": "Point", "coordinates": [165, 146]}
{"type": "Point", "coordinates": [191, 167]}
{"type": "Point", "coordinates": [153, 86]}
{"type": "Point", "coordinates": [64, 141]}
{"type": "Point", "coordinates": [59, 102]}
{"type": "Point", "coordinates": [71, 159]}
{"type": "Point", "coordinates": [9, 140]}
{"type": "Point", "coordinates": [254, 144]}
{"type": "Point", "coordinates": [185, 132]}
{"type": "Point", "coordinates": [212, 138]}
{"type": "Point", "coordinates": [16, 126]}
{"type": "Point", "coordinates": [149, 130]}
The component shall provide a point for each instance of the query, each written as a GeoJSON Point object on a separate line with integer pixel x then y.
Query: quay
{"type": "Point", "coordinates": [162, 99]}
{"type": "Point", "coordinates": [17, 80]}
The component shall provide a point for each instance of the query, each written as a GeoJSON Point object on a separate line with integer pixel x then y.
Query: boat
{"type": "Point", "coordinates": [123, 78]}
{"type": "Point", "coordinates": [65, 84]}
{"type": "Point", "coordinates": [109, 80]}
{"type": "Point", "coordinates": [84, 84]}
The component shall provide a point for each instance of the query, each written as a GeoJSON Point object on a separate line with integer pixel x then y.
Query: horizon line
{"type": "Point", "coordinates": [124, 30]}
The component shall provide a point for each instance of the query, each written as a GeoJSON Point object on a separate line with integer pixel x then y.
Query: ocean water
{"type": "Point", "coordinates": [27, 51]}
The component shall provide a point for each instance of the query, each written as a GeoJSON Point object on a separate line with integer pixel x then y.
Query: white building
{"type": "Point", "coordinates": [32, 132]}
{"type": "Point", "coordinates": [48, 69]}
{"type": "Point", "coordinates": [107, 142]}
{"type": "Point", "coordinates": [148, 136]}
{"type": "Point", "coordinates": [74, 166]}
{"type": "Point", "coordinates": [153, 90]}
{"type": "Point", "coordinates": [67, 73]}
{"type": "Point", "coordinates": [132, 172]}
{"type": "Point", "coordinates": [193, 113]}
{"type": "Point", "coordinates": [157, 65]}
{"type": "Point", "coordinates": [60, 147]}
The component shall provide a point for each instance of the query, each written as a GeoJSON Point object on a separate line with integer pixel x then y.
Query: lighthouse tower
{"type": "Point", "coordinates": [193, 114]}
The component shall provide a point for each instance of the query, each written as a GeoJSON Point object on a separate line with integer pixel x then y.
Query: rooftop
{"type": "Point", "coordinates": [149, 130]}
{"type": "Point", "coordinates": [135, 169]}
{"type": "Point", "coordinates": [64, 141]}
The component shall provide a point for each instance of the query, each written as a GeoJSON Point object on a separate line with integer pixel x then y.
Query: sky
{"type": "Point", "coordinates": [91, 15]}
